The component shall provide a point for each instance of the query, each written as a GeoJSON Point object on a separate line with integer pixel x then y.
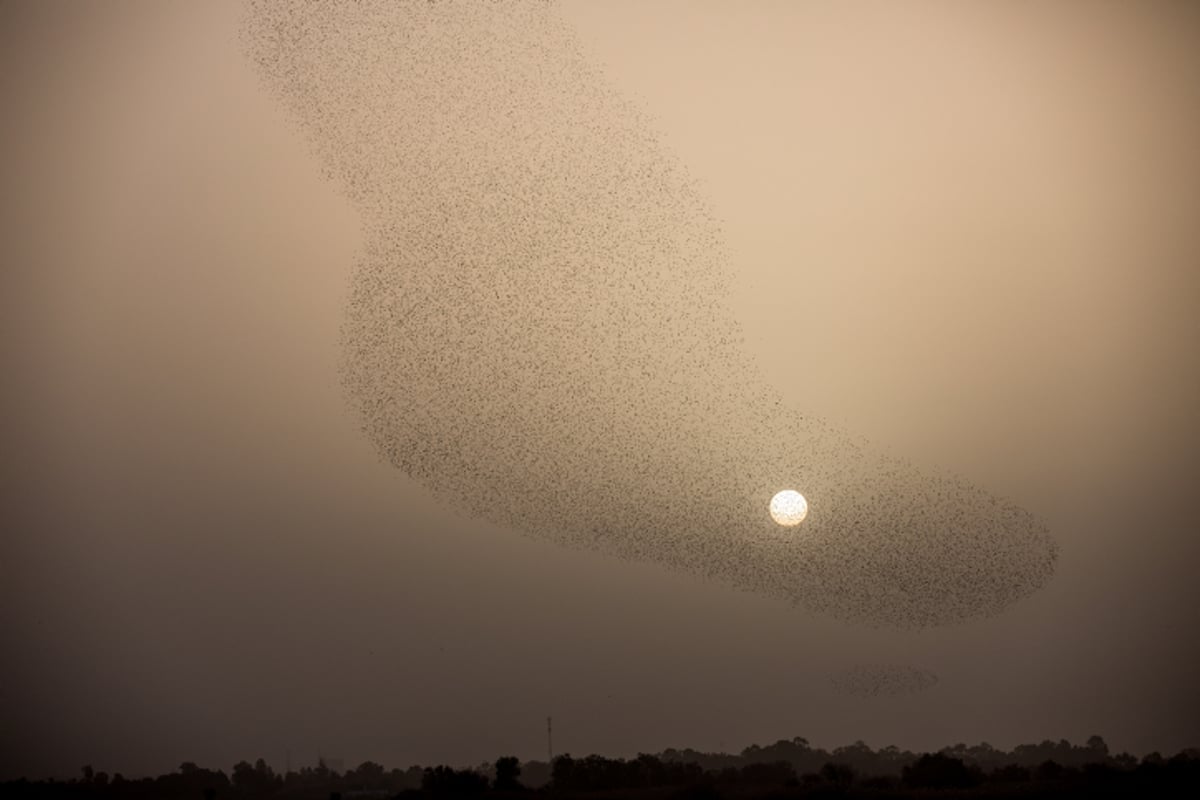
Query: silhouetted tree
{"type": "Point", "coordinates": [508, 770]}
{"type": "Point", "coordinates": [368, 775]}
{"type": "Point", "coordinates": [777, 774]}
{"type": "Point", "coordinates": [1083, 771]}
{"type": "Point", "coordinates": [837, 774]}
{"type": "Point", "coordinates": [858, 756]}
{"type": "Point", "coordinates": [443, 780]}
{"type": "Point", "coordinates": [257, 780]}
{"type": "Point", "coordinates": [1010, 773]}
{"type": "Point", "coordinates": [939, 771]}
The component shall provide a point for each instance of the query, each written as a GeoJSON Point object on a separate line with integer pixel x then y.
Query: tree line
{"type": "Point", "coordinates": [785, 769]}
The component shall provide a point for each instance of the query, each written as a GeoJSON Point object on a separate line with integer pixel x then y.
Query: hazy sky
{"type": "Point", "coordinates": [972, 225]}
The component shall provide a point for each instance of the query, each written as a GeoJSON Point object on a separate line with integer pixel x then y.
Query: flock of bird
{"type": "Point", "coordinates": [537, 327]}
{"type": "Point", "coordinates": [882, 680]}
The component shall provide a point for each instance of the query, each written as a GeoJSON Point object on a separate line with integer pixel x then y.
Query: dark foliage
{"type": "Point", "coordinates": [787, 769]}
{"type": "Point", "coordinates": [508, 770]}
{"type": "Point", "coordinates": [448, 782]}
{"type": "Point", "coordinates": [940, 771]}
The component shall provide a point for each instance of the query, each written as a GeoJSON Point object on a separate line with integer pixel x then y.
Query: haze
{"type": "Point", "coordinates": [972, 224]}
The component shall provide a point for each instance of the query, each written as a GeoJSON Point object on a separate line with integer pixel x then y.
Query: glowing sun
{"type": "Point", "coordinates": [789, 507]}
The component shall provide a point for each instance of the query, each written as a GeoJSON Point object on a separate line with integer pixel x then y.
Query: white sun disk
{"type": "Point", "coordinates": [789, 507]}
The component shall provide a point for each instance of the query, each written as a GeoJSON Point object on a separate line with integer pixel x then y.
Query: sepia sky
{"type": "Point", "coordinates": [965, 231]}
